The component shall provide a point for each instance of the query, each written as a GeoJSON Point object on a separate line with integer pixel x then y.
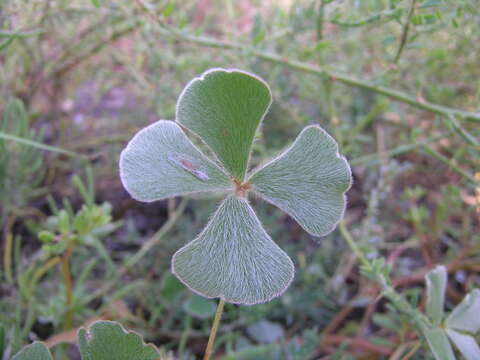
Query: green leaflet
{"type": "Point", "coordinates": [35, 351]}
{"type": "Point", "coordinates": [224, 108]}
{"type": "Point", "coordinates": [161, 162]}
{"type": "Point", "coordinates": [465, 343]}
{"type": "Point", "coordinates": [234, 258]}
{"type": "Point", "coordinates": [436, 285]}
{"type": "Point", "coordinates": [439, 344]}
{"type": "Point", "coordinates": [308, 181]}
{"type": "Point", "coordinates": [466, 315]}
{"type": "Point", "coordinates": [107, 340]}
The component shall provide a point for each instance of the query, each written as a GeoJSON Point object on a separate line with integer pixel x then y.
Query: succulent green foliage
{"type": "Point", "coordinates": [308, 181]}
{"type": "Point", "coordinates": [160, 162]}
{"type": "Point", "coordinates": [234, 258]}
{"type": "Point", "coordinates": [436, 285]}
{"type": "Point", "coordinates": [106, 340]}
{"type": "Point", "coordinates": [35, 351]}
{"type": "Point", "coordinates": [460, 326]}
{"type": "Point", "coordinates": [224, 108]}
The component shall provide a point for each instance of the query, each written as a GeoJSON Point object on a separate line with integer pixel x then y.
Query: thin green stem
{"type": "Point", "coordinates": [213, 331]}
{"type": "Point", "coordinates": [387, 289]}
{"type": "Point", "coordinates": [319, 71]}
{"type": "Point", "coordinates": [406, 27]}
{"type": "Point", "coordinates": [68, 283]}
{"type": "Point", "coordinates": [450, 163]}
{"type": "Point", "coordinates": [7, 257]}
{"type": "Point", "coordinates": [140, 253]}
{"type": "Point", "coordinates": [320, 19]}
{"type": "Point", "coordinates": [185, 335]}
{"type": "Point", "coordinates": [373, 159]}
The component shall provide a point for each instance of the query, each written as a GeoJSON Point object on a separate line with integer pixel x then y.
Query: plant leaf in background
{"type": "Point", "coordinates": [106, 340]}
{"type": "Point", "coordinates": [460, 326]}
{"type": "Point", "coordinates": [199, 307]}
{"type": "Point", "coordinates": [103, 340]}
{"type": "Point", "coordinates": [466, 344]}
{"type": "Point", "coordinates": [466, 316]}
{"type": "Point", "coordinates": [233, 258]}
{"type": "Point", "coordinates": [436, 285]}
{"type": "Point", "coordinates": [308, 181]}
{"type": "Point", "coordinates": [224, 108]}
{"type": "Point", "coordinates": [234, 244]}
{"type": "Point", "coordinates": [463, 323]}
{"type": "Point", "coordinates": [35, 351]}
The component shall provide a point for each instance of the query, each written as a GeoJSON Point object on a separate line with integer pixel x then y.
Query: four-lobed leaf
{"type": "Point", "coordinates": [234, 258]}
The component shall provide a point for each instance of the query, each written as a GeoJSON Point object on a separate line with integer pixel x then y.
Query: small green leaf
{"type": "Point", "coordinates": [466, 315]}
{"type": "Point", "coordinates": [308, 181]}
{"type": "Point", "coordinates": [225, 108]}
{"type": "Point", "coordinates": [168, 9]}
{"type": "Point", "coordinates": [107, 340]}
{"type": "Point", "coordinates": [265, 332]}
{"type": "Point", "coordinates": [439, 344]}
{"type": "Point", "coordinates": [161, 162]}
{"type": "Point", "coordinates": [171, 287]}
{"type": "Point", "coordinates": [200, 307]}
{"type": "Point", "coordinates": [35, 351]}
{"type": "Point", "coordinates": [465, 343]}
{"type": "Point", "coordinates": [95, 3]}
{"type": "Point", "coordinates": [436, 284]}
{"type": "Point", "coordinates": [233, 258]}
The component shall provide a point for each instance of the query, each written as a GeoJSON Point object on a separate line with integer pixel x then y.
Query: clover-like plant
{"type": "Point", "coordinates": [460, 326]}
{"type": "Point", "coordinates": [234, 258]}
{"type": "Point", "coordinates": [103, 340]}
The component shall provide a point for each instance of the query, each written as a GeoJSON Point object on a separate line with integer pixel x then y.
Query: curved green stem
{"type": "Point", "coordinates": [213, 331]}
{"type": "Point", "coordinates": [307, 68]}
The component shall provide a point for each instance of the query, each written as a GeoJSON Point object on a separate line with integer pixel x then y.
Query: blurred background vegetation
{"type": "Point", "coordinates": [78, 78]}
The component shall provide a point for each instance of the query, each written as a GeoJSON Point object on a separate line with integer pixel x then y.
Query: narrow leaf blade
{"type": "Point", "coordinates": [436, 285]}
{"type": "Point", "coordinates": [308, 181]}
{"type": "Point", "coordinates": [225, 107]}
{"type": "Point", "coordinates": [106, 340]}
{"type": "Point", "coordinates": [465, 316]}
{"type": "Point", "coordinates": [466, 344]}
{"type": "Point", "coordinates": [161, 162]}
{"type": "Point", "coordinates": [439, 344]}
{"type": "Point", "coordinates": [233, 258]}
{"type": "Point", "coordinates": [35, 351]}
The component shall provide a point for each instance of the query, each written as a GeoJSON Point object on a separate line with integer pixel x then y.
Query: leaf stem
{"type": "Point", "coordinates": [406, 27]}
{"type": "Point", "coordinates": [384, 282]}
{"type": "Point", "coordinates": [320, 19]}
{"type": "Point", "coordinates": [310, 69]}
{"type": "Point", "coordinates": [213, 331]}
{"type": "Point", "coordinates": [68, 283]}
